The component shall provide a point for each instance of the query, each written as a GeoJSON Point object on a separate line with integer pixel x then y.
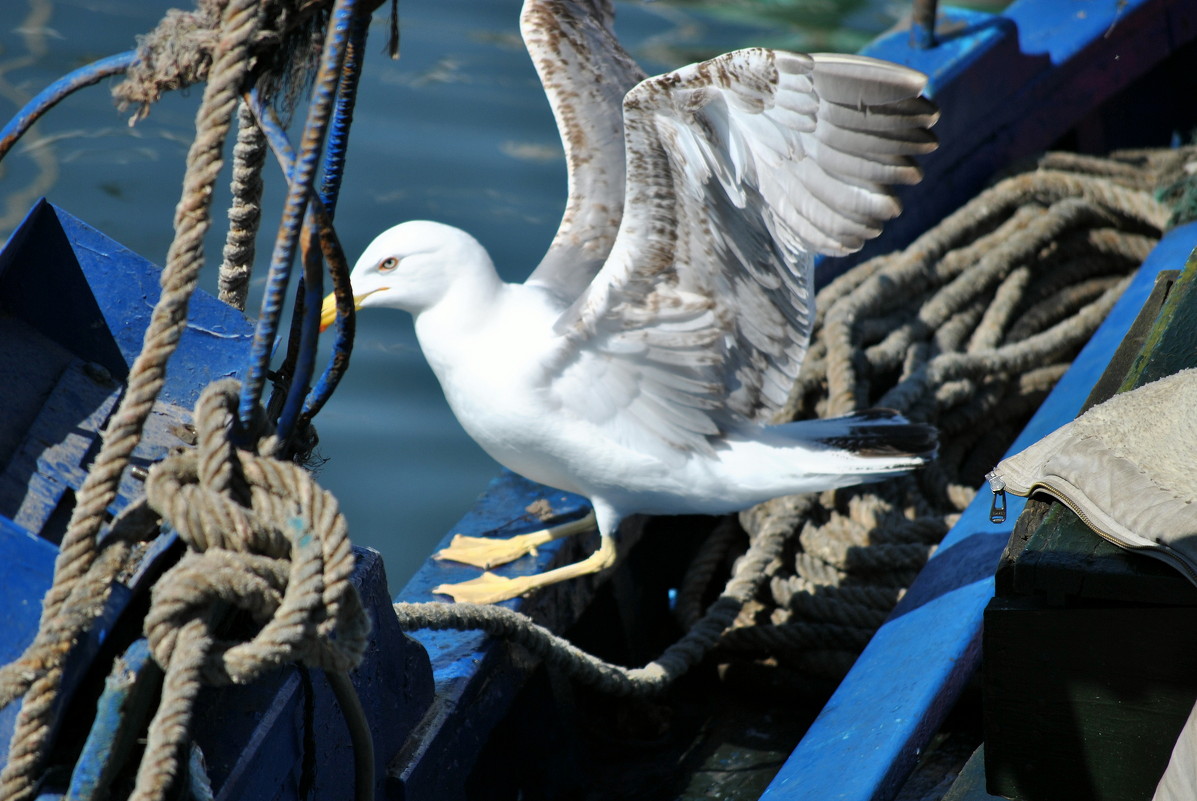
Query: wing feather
{"type": "Point", "coordinates": [739, 170]}
{"type": "Point", "coordinates": [586, 73]}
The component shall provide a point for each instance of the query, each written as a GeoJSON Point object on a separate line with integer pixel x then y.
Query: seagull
{"type": "Point", "coordinates": [643, 361]}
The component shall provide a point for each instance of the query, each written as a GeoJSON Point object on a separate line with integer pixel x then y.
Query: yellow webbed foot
{"type": "Point", "coordinates": [485, 552]}
{"type": "Point", "coordinates": [488, 552]}
{"type": "Point", "coordinates": [488, 588]}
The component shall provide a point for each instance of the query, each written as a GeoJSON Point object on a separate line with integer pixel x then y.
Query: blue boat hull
{"type": "Point", "coordinates": [1091, 75]}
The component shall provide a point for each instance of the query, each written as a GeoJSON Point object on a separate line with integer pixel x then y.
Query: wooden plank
{"type": "Point", "coordinates": [869, 735]}
{"type": "Point", "coordinates": [1171, 345]}
{"type": "Point", "coordinates": [28, 567]}
{"type": "Point", "coordinates": [52, 457]}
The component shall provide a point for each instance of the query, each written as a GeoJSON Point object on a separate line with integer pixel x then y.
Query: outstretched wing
{"type": "Point", "coordinates": [740, 169]}
{"type": "Point", "coordinates": [586, 74]}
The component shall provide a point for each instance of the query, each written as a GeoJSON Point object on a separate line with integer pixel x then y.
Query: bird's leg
{"type": "Point", "coordinates": [490, 588]}
{"type": "Point", "coordinates": [488, 552]}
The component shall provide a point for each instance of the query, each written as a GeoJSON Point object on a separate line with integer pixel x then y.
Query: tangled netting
{"type": "Point", "coordinates": [969, 328]}
{"type": "Point", "coordinates": [282, 47]}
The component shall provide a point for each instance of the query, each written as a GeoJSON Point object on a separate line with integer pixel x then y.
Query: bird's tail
{"type": "Point", "coordinates": [881, 433]}
{"type": "Point", "coordinates": [872, 441]}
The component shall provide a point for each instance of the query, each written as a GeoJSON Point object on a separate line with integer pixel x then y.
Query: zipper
{"type": "Point", "coordinates": [997, 507]}
{"type": "Point", "coordinates": [1162, 551]}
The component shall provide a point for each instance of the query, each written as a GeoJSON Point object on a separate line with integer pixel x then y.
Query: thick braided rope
{"type": "Point", "coordinates": [711, 555]}
{"type": "Point", "coordinates": [262, 538]}
{"type": "Point", "coordinates": [146, 377]}
{"type": "Point", "coordinates": [968, 328]}
{"type": "Point", "coordinates": [245, 212]}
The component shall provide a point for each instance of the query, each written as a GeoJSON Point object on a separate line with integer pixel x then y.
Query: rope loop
{"type": "Point", "coordinates": [265, 545]}
{"type": "Point", "coordinates": [263, 538]}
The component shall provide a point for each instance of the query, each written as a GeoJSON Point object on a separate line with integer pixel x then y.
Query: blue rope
{"type": "Point", "coordinates": [330, 185]}
{"type": "Point", "coordinates": [295, 209]}
{"type": "Point", "coordinates": [334, 255]}
{"type": "Point", "coordinates": [338, 133]}
{"type": "Point", "coordinates": [53, 94]}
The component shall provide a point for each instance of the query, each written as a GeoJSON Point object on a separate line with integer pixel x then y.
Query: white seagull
{"type": "Point", "coordinates": [641, 363]}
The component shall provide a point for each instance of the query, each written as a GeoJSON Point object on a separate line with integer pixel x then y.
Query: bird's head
{"type": "Point", "coordinates": [409, 267]}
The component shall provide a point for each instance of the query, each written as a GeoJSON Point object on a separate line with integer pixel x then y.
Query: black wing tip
{"type": "Point", "coordinates": [886, 433]}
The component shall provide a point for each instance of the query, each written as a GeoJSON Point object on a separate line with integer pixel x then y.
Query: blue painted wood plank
{"type": "Point", "coordinates": [869, 735]}
{"type": "Point", "coordinates": [57, 446]}
{"type": "Point", "coordinates": [477, 677]}
{"type": "Point", "coordinates": [64, 285]}
{"type": "Point", "coordinates": [28, 569]}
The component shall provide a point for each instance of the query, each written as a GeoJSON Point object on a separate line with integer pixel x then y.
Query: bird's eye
{"type": "Point", "coordinates": [388, 264]}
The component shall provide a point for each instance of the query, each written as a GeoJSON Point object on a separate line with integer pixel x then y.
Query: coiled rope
{"type": "Point", "coordinates": [969, 328]}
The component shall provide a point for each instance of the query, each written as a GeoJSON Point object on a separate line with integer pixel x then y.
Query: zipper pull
{"type": "Point", "coordinates": [997, 509]}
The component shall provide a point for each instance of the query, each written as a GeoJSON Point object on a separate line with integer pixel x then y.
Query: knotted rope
{"type": "Point", "coordinates": [233, 43]}
{"type": "Point", "coordinates": [262, 538]}
{"type": "Point", "coordinates": [38, 673]}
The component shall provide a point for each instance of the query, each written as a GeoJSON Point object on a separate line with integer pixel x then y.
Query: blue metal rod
{"type": "Point", "coordinates": [305, 328]}
{"type": "Point", "coordinates": [338, 267]}
{"type": "Point", "coordinates": [53, 94]}
{"type": "Point", "coordinates": [338, 134]}
{"type": "Point", "coordinates": [334, 168]}
{"type": "Point", "coordinates": [346, 326]}
{"type": "Point", "coordinates": [922, 23]}
{"type": "Point", "coordinates": [309, 329]}
{"type": "Point", "coordinates": [295, 208]}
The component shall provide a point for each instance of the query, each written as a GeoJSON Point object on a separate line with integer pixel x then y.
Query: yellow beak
{"type": "Point", "coordinates": [328, 309]}
{"type": "Point", "coordinates": [328, 312]}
